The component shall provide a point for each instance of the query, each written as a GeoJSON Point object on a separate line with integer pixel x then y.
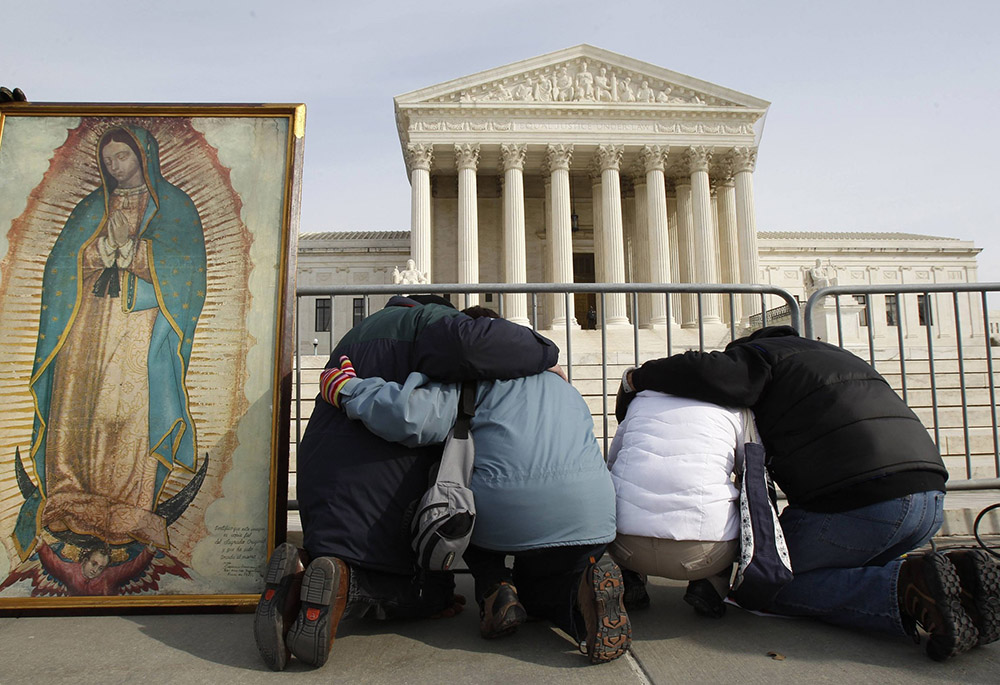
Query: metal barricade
{"type": "Point", "coordinates": [933, 344]}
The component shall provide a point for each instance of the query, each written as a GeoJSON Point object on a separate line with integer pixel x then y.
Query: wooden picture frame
{"type": "Point", "coordinates": [147, 263]}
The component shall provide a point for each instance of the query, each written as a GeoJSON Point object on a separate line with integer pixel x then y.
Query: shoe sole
{"type": "Point", "coordinates": [980, 579]}
{"type": "Point", "coordinates": [704, 608]}
{"type": "Point", "coordinates": [268, 623]}
{"type": "Point", "coordinates": [513, 617]}
{"type": "Point", "coordinates": [943, 582]}
{"type": "Point", "coordinates": [310, 637]}
{"type": "Point", "coordinates": [614, 630]}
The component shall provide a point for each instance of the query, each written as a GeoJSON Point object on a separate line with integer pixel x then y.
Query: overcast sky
{"type": "Point", "coordinates": [884, 114]}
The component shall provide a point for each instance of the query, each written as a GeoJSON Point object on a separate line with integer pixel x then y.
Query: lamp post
{"type": "Point", "coordinates": [315, 345]}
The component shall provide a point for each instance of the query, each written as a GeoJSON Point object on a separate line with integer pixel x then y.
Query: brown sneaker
{"type": "Point", "coordinates": [323, 598]}
{"type": "Point", "coordinates": [501, 612]}
{"type": "Point", "coordinates": [278, 604]}
{"type": "Point", "coordinates": [600, 599]}
{"type": "Point", "coordinates": [979, 575]}
{"type": "Point", "coordinates": [930, 595]}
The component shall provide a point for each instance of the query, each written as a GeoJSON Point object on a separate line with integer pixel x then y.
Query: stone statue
{"type": "Point", "coordinates": [410, 275]}
{"type": "Point", "coordinates": [563, 85]}
{"type": "Point", "coordinates": [818, 277]}
{"type": "Point", "coordinates": [603, 89]}
{"type": "Point", "coordinates": [645, 93]}
{"type": "Point", "coordinates": [584, 84]}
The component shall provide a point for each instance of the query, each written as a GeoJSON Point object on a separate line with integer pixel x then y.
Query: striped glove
{"type": "Point", "coordinates": [332, 380]}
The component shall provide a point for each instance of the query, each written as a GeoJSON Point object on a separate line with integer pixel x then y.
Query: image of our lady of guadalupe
{"type": "Point", "coordinates": [123, 289]}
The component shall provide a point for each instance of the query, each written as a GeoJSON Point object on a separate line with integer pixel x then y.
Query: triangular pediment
{"type": "Point", "coordinates": [581, 76]}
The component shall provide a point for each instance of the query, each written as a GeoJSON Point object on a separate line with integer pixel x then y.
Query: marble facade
{"type": "Point", "coordinates": [584, 165]}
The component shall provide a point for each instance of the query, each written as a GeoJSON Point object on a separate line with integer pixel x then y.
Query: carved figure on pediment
{"type": "Point", "coordinates": [625, 91]}
{"type": "Point", "coordinates": [664, 95]}
{"type": "Point", "coordinates": [818, 277]}
{"type": "Point", "coordinates": [645, 93]}
{"type": "Point", "coordinates": [584, 84]}
{"type": "Point", "coordinates": [524, 91]}
{"type": "Point", "coordinates": [410, 275]}
{"type": "Point", "coordinates": [543, 90]}
{"type": "Point", "coordinates": [563, 85]}
{"type": "Point", "coordinates": [604, 90]}
{"type": "Point", "coordinates": [696, 99]}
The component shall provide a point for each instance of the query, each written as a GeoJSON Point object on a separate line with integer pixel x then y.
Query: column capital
{"type": "Point", "coordinates": [609, 156]}
{"type": "Point", "coordinates": [743, 158]}
{"type": "Point", "coordinates": [467, 156]}
{"type": "Point", "coordinates": [653, 157]}
{"type": "Point", "coordinates": [698, 157]}
{"type": "Point", "coordinates": [594, 171]}
{"type": "Point", "coordinates": [559, 157]}
{"type": "Point", "coordinates": [419, 156]}
{"type": "Point", "coordinates": [512, 155]}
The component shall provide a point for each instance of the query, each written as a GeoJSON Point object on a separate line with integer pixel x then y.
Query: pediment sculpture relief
{"type": "Point", "coordinates": [582, 81]}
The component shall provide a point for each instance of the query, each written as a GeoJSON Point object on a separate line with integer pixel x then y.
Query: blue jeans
{"type": "Point", "coordinates": [846, 564]}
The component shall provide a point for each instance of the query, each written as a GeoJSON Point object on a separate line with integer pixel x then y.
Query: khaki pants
{"type": "Point", "coordinates": [676, 559]}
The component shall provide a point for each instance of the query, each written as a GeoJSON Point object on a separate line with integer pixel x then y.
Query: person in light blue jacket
{"type": "Point", "coordinates": [543, 494]}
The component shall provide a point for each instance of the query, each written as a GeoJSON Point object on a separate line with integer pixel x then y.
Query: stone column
{"type": "Point", "coordinates": [652, 159]}
{"type": "Point", "coordinates": [558, 158]}
{"type": "Point", "coordinates": [705, 248]}
{"type": "Point", "coordinates": [549, 260]}
{"type": "Point", "coordinates": [419, 158]}
{"type": "Point", "coordinates": [467, 160]}
{"type": "Point", "coordinates": [744, 160]}
{"type": "Point", "coordinates": [685, 248]}
{"type": "Point", "coordinates": [609, 158]}
{"type": "Point", "coordinates": [729, 254]}
{"type": "Point", "coordinates": [512, 160]}
{"type": "Point", "coordinates": [641, 247]}
{"type": "Point", "coordinates": [600, 273]}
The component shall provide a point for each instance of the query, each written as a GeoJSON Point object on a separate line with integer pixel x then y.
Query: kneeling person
{"type": "Point", "coordinates": [543, 494]}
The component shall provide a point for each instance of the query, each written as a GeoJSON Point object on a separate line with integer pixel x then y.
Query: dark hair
{"type": "Point", "coordinates": [88, 553]}
{"type": "Point", "coordinates": [477, 312]}
{"type": "Point", "coordinates": [431, 299]}
{"type": "Point", "coordinates": [116, 135]}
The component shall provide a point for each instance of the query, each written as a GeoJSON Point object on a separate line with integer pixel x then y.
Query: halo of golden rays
{"type": "Point", "coordinates": [217, 371]}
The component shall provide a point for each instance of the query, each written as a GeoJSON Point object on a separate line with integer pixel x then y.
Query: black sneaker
{"type": "Point", "coordinates": [636, 596]}
{"type": "Point", "coordinates": [278, 604]}
{"type": "Point", "coordinates": [930, 595]}
{"type": "Point", "coordinates": [701, 594]}
{"type": "Point", "coordinates": [323, 599]}
{"type": "Point", "coordinates": [979, 575]}
{"type": "Point", "coordinates": [600, 599]}
{"type": "Point", "coordinates": [501, 612]}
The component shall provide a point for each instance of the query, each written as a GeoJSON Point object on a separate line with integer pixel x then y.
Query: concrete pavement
{"type": "Point", "coordinates": [671, 645]}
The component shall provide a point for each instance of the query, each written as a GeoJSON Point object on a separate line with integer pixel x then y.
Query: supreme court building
{"type": "Point", "coordinates": [584, 166]}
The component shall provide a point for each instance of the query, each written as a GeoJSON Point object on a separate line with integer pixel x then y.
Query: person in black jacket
{"type": "Point", "coordinates": [356, 491]}
{"type": "Point", "coordinates": [864, 481]}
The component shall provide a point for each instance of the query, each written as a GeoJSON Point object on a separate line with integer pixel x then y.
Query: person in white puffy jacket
{"type": "Point", "coordinates": [672, 461]}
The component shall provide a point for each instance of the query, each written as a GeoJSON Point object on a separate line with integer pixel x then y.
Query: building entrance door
{"type": "Point", "coordinates": [583, 272]}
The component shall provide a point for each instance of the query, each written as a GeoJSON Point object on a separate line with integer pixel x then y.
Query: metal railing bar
{"type": "Point", "coordinates": [961, 385]}
{"type": "Point", "coordinates": [992, 385]}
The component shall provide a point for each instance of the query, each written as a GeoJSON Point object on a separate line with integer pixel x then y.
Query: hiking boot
{"type": "Point", "coordinates": [636, 596]}
{"type": "Point", "coordinates": [323, 598]}
{"type": "Point", "coordinates": [979, 575]}
{"type": "Point", "coordinates": [500, 612]}
{"type": "Point", "coordinates": [278, 604]}
{"type": "Point", "coordinates": [930, 596]}
{"type": "Point", "coordinates": [600, 599]}
{"type": "Point", "coordinates": [702, 595]}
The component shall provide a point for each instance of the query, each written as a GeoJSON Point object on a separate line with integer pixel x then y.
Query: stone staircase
{"type": "Point", "coordinates": [953, 423]}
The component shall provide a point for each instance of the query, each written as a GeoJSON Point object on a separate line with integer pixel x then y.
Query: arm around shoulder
{"type": "Point", "coordinates": [463, 349]}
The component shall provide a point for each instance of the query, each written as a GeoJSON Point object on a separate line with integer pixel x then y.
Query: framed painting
{"type": "Point", "coordinates": [147, 261]}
